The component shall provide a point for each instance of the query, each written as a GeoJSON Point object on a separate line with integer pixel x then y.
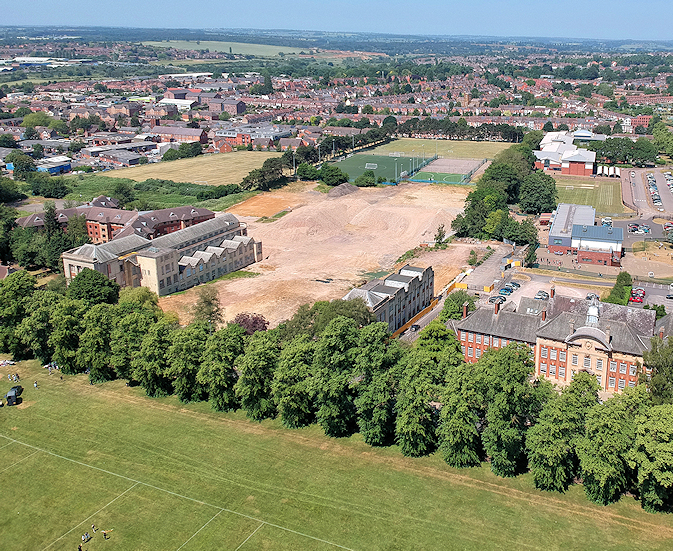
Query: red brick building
{"type": "Point", "coordinates": [179, 134]}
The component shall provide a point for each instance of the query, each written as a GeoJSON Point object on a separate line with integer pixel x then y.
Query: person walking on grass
{"type": "Point", "coordinates": [35, 384]}
{"type": "Point", "coordinates": [93, 528]}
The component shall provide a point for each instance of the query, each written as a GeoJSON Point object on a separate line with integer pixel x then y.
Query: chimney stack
{"type": "Point", "coordinates": [572, 326]}
{"type": "Point", "coordinates": [552, 292]}
{"type": "Point", "coordinates": [465, 308]}
{"type": "Point", "coordinates": [497, 307]}
{"type": "Point", "coordinates": [661, 333]}
{"type": "Point", "coordinates": [607, 334]}
{"type": "Point", "coordinates": [544, 315]}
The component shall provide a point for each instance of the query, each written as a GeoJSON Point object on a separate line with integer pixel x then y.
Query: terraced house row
{"type": "Point", "coordinates": [172, 262]}
{"type": "Point", "coordinates": [567, 335]}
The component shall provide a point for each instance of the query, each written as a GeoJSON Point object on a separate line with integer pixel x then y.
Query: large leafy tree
{"type": "Point", "coordinates": [453, 305]}
{"type": "Point", "coordinates": [312, 320]}
{"type": "Point", "coordinates": [375, 367]}
{"type": "Point", "coordinates": [66, 320]}
{"type": "Point", "coordinates": [333, 372]}
{"type": "Point", "coordinates": [292, 383]}
{"type": "Point", "coordinates": [14, 290]}
{"type": "Point", "coordinates": [184, 360]}
{"type": "Point", "coordinates": [604, 448]}
{"type": "Point", "coordinates": [126, 340]}
{"type": "Point", "coordinates": [660, 360]}
{"type": "Point", "coordinates": [217, 373]}
{"type": "Point", "coordinates": [551, 443]}
{"type": "Point", "coordinates": [150, 364]}
{"type": "Point", "coordinates": [207, 307]}
{"type": "Point", "coordinates": [652, 456]}
{"type": "Point", "coordinates": [256, 368]}
{"type": "Point", "coordinates": [538, 193]}
{"type": "Point", "coordinates": [92, 287]}
{"type": "Point", "coordinates": [94, 351]}
{"type": "Point", "coordinates": [35, 328]}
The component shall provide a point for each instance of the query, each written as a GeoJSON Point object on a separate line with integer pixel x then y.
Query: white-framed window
{"type": "Point", "coordinates": [552, 370]}
{"type": "Point", "coordinates": [487, 339]}
{"type": "Point", "coordinates": [470, 337]}
{"type": "Point", "coordinates": [574, 359]}
{"type": "Point", "coordinates": [463, 349]}
{"type": "Point", "coordinates": [463, 334]}
{"type": "Point", "coordinates": [611, 382]}
{"type": "Point", "coordinates": [496, 341]}
{"type": "Point", "coordinates": [478, 352]}
{"type": "Point", "coordinates": [599, 364]}
{"type": "Point", "coordinates": [622, 383]}
{"type": "Point", "coordinates": [562, 356]}
{"type": "Point", "coordinates": [622, 367]}
{"type": "Point", "coordinates": [469, 352]}
{"type": "Point", "coordinates": [599, 380]}
{"type": "Point", "coordinates": [633, 370]}
{"type": "Point", "coordinates": [543, 368]}
{"type": "Point", "coordinates": [587, 362]}
{"type": "Point", "coordinates": [479, 338]}
{"type": "Point", "coordinates": [632, 383]}
{"type": "Point", "coordinates": [562, 371]}
{"type": "Point", "coordinates": [552, 354]}
{"type": "Point", "coordinates": [613, 366]}
{"type": "Point", "coordinates": [543, 352]}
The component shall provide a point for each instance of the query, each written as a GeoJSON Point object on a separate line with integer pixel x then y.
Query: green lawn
{"type": "Point", "coordinates": [164, 475]}
{"type": "Point", "coordinates": [605, 195]}
{"type": "Point", "coordinates": [451, 149]}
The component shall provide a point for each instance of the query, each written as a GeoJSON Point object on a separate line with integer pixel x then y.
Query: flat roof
{"type": "Point", "coordinates": [598, 233]}
{"type": "Point", "coordinates": [568, 215]}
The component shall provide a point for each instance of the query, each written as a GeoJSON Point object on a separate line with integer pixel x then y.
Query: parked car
{"type": "Point", "coordinates": [415, 327]}
{"type": "Point", "coordinates": [514, 284]}
{"type": "Point", "coordinates": [669, 297]}
{"type": "Point", "coordinates": [592, 296]}
{"type": "Point", "coordinates": [636, 299]}
{"type": "Point", "coordinates": [498, 299]}
{"type": "Point", "coordinates": [505, 291]}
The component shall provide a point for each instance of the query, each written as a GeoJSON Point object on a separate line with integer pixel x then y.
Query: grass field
{"type": "Point", "coordinates": [439, 177]}
{"type": "Point", "coordinates": [444, 148]}
{"type": "Point", "coordinates": [164, 475]}
{"type": "Point", "coordinates": [604, 195]}
{"type": "Point", "coordinates": [243, 48]}
{"type": "Point", "coordinates": [215, 170]}
{"type": "Point", "coordinates": [383, 166]}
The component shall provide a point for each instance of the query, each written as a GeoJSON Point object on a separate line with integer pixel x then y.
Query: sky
{"type": "Point", "coordinates": [602, 19]}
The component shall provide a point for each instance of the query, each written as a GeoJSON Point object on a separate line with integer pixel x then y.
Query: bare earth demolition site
{"type": "Point", "coordinates": [326, 244]}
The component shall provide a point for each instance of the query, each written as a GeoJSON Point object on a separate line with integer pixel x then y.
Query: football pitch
{"type": "Point", "coordinates": [161, 475]}
{"type": "Point", "coordinates": [438, 177]}
{"type": "Point", "coordinates": [383, 166]}
{"type": "Point", "coordinates": [604, 194]}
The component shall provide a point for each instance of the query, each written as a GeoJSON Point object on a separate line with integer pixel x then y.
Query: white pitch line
{"type": "Point", "coordinates": [175, 494]}
{"type": "Point", "coordinates": [246, 539]}
{"type": "Point", "coordinates": [202, 527]}
{"type": "Point", "coordinates": [8, 444]}
{"type": "Point", "coordinates": [91, 516]}
{"type": "Point", "coordinates": [19, 461]}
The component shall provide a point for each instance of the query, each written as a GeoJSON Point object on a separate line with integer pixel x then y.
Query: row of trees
{"type": "Point", "coordinates": [623, 150]}
{"type": "Point", "coordinates": [460, 130]}
{"type": "Point", "coordinates": [332, 366]}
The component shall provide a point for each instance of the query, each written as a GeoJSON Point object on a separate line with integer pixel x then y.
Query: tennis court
{"type": "Point", "coordinates": [392, 168]}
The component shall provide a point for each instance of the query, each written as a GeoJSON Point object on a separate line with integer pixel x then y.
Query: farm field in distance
{"type": "Point", "coordinates": [244, 48]}
{"type": "Point", "coordinates": [463, 149]}
{"type": "Point", "coordinates": [604, 194]}
{"type": "Point", "coordinates": [214, 170]}
{"type": "Point", "coordinates": [162, 475]}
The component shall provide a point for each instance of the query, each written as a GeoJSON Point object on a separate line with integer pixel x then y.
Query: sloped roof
{"type": "Point", "coordinates": [508, 325]}
{"type": "Point", "coordinates": [179, 239]}
{"type": "Point", "coordinates": [110, 250]}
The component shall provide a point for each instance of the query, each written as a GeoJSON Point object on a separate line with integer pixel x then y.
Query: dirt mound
{"type": "Point", "coordinates": [341, 190]}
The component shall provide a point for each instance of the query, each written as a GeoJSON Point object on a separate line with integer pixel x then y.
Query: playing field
{"type": "Point", "coordinates": [218, 46]}
{"type": "Point", "coordinates": [214, 170]}
{"type": "Point", "coordinates": [605, 195]}
{"type": "Point", "coordinates": [168, 476]}
{"type": "Point", "coordinates": [438, 177]}
{"type": "Point", "coordinates": [444, 148]}
{"type": "Point", "coordinates": [390, 168]}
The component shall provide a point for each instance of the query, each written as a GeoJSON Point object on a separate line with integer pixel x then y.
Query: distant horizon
{"type": "Point", "coordinates": [523, 19]}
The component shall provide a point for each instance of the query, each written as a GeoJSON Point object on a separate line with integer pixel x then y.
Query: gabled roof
{"type": "Point", "coordinates": [508, 325]}
{"type": "Point", "coordinates": [110, 250]}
